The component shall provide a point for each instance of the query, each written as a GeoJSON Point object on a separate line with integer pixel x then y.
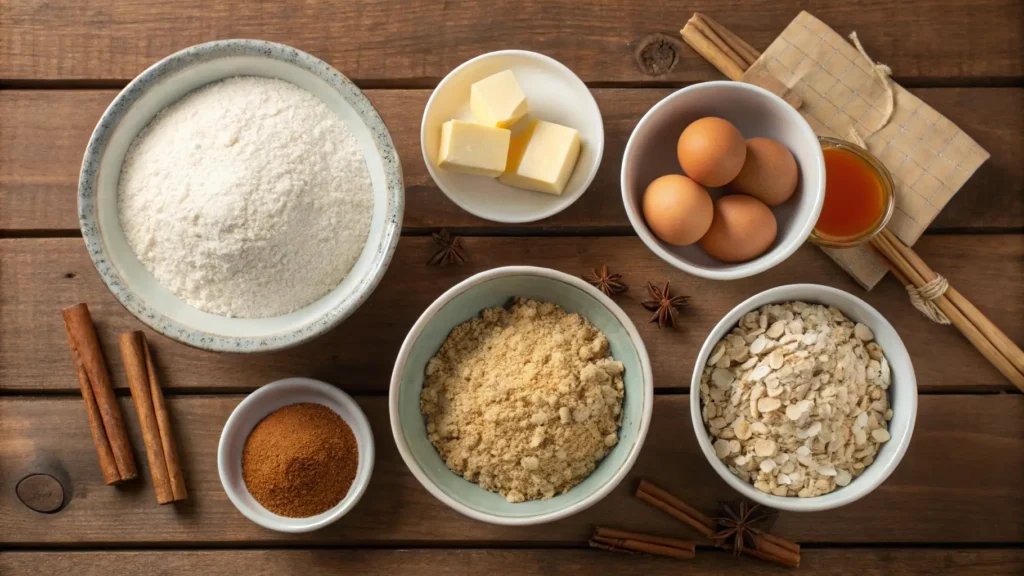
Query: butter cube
{"type": "Point", "coordinates": [473, 149]}
{"type": "Point", "coordinates": [542, 157]}
{"type": "Point", "coordinates": [497, 100]}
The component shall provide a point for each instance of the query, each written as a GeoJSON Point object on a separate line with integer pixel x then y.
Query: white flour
{"type": "Point", "coordinates": [248, 198]}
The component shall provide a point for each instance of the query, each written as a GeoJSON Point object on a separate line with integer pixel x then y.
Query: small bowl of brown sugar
{"type": "Point", "coordinates": [296, 455]}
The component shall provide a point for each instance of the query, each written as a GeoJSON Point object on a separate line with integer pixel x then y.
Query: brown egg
{"type": "Point", "coordinates": [677, 209]}
{"type": "Point", "coordinates": [743, 228]}
{"type": "Point", "coordinates": [711, 151]}
{"type": "Point", "coordinates": [769, 173]}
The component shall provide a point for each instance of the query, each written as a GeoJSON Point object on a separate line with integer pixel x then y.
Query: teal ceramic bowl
{"type": "Point", "coordinates": [465, 301]}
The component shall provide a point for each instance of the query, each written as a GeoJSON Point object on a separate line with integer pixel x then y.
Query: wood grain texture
{"type": "Point", "coordinates": [43, 275]}
{"type": "Point", "coordinates": [959, 482]}
{"type": "Point", "coordinates": [43, 135]}
{"type": "Point", "coordinates": [846, 562]}
{"type": "Point", "coordinates": [421, 40]}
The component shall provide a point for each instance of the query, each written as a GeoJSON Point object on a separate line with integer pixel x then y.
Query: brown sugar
{"type": "Point", "coordinates": [300, 460]}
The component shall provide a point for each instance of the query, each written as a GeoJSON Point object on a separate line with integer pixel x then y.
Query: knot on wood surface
{"type": "Point", "coordinates": [41, 492]}
{"type": "Point", "coordinates": [656, 54]}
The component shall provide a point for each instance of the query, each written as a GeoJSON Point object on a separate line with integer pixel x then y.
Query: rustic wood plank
{"type": "Point", "coordinates": [43, 136]}
{"type": "Point", "coordinates": [420, 41]}
{"type": "Point", "coordinates": [959, 482]}
{"type": "Point", "coordinates": [844, 562]}
{"type": "Point", "coordinates": [41, 276]}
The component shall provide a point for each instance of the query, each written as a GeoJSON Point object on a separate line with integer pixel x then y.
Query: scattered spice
{"type": "Point", "coordinates": [603, 280]}
{"type": "Point", "coordinates": [300, 460]}
{"type": "Point", "coordinates": [663, 304]}
{"type": "Point", "coordinates": [450, 252]}
{"type": "Point", "coordinates": [738, 525]}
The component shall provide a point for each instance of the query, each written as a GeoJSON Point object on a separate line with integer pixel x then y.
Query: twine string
{"type": "Point", "coordinates": [883, 72]}
{"type": "Point", "coordinates": [923, 299]}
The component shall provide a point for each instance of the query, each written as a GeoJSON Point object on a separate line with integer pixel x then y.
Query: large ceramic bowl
{"type": "Point", "coordinates": [902, 396]}
{"type": "Point", "coordinates": [165, 83]}
{"type": "Point", "coordinates": [465, 301]}
{"type": "Point", "coordinates": [651, 153]}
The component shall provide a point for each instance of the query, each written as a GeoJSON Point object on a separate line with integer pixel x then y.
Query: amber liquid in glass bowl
{"type": "Point", "coordinates": [859, 196]}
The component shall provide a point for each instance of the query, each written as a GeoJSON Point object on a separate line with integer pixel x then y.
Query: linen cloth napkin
{"type": "Point", "coordinates": [847, 95]}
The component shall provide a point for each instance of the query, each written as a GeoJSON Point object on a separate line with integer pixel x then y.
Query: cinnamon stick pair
{"type": "Point", "coordinates": [731, 55]}
{"type": "Point", "coordinates": [914, 273]}
{"type": "Point", "coordinates": [767, 547]}
{"type": "Point", "coordinates": [631, 542]}
{"type": "Point", "coordinates": [105, 421]}
{"type": "Point", "coordinates": [161, 451]}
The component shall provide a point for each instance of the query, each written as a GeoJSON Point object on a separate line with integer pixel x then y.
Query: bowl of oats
{"type": "Point", "coordinates": [804, 398]}
{"type": "Point", "coordinates": [521, 396]}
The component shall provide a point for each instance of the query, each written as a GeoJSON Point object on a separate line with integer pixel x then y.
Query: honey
{"type": "Point", "coordinates": [858, 196]}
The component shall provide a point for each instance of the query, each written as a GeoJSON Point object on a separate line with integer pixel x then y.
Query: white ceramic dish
{"type": "Point", "coordinates": [258, 406]}
{"type": "Point", "coordinates": [554, 93]}
{"type": "Point", "coordinates": [465, 301]}
{"type": "Point", "coordinates": [902, 396]}
{"type": "Point", "coordinates": [651, 153]}
{"type": "Point", "coordinates": [163, 84]}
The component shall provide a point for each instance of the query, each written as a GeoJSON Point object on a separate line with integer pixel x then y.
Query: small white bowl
{"type": "Point", "coordinates": [902, 396]}
{"type": "Point", "coordinates": [258, 406]}
{"type": "Point", "coordinates": [756, 112]}
{"type": "Point", "coordinates": [163, 84]}
{"type": "Point", "coordinates": [554, 93]}
{"type": "Point", "coordinates": [465, 301]}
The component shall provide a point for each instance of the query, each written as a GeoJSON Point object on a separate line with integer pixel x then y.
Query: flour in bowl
{"type": "Point", "coordinates": [247, 198]}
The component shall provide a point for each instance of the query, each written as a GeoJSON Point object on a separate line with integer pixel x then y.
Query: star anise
{"type": "Point", "coordinates": [610, 284]}
{"type": "Point", "coordinates": [451, 251]}
{"type": "Point", "coordinates": [736, 529]}
{"type": "Point", "coordinates": [663, 304]}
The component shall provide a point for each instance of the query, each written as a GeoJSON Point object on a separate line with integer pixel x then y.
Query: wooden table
{"type": "Point", "coordinates": [955, 504]}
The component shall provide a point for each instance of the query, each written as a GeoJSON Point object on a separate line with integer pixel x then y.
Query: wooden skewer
{"type": "Point", "coordinates": [1000, 340]}
{"type": "Point", "coordinates": [957, 318]}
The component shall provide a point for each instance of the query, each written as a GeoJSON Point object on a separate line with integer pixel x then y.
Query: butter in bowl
{"type": "Point", "coordinates": [512, 136]}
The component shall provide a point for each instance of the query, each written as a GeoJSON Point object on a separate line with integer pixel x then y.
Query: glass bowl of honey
{"type": "Point", "coordinates": [859, 196]}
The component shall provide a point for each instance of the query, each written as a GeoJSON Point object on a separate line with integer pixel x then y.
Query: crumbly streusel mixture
{"type": "Point", "coordinates": [523, 401]}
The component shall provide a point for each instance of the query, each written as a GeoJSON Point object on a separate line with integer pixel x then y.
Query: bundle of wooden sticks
{"type": "Point", "coordinates": [928, 291]}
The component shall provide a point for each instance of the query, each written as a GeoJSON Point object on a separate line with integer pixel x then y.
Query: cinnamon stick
{"type": "Point", "coordinates": [774, 552]}
{"type": "Point", "coordinates": [1000, 340]}
{"type": "Point", "coordinates": [99, 436]}
{"type": "Point", "coordinates": [642, 547]}
{"type": "Point", "coordinates": [767, 546]}
{"type": "Point", "coordinates": [676, 508]}
{"type": "Point", "coordinates": [614, 534]}
{"type": "Point", "coordinates": [163, 421]}
{"type": "Point", "coordinates": [957, 318]}
{"type": "Point", "coordinates": [148, 400]}
{"type": "Point", "coordinates": [749, 54]}
{"type": "Point", "coordinates": [697, 22]}
{"type": "Point", "coordinates": [705, 47]}
{"type": "Point", "coordinates": [105, 421]}
{"type": "Point", "coordinates": [724, 55]}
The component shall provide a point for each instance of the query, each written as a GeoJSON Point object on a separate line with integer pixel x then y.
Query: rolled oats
{"type": "Point", "coordinates": [795, 399]}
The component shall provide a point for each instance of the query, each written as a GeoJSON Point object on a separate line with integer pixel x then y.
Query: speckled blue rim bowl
{"type": "Point", "coordinates": [165, 83]}
{"type": "Point", "coordinates": [465, 301]}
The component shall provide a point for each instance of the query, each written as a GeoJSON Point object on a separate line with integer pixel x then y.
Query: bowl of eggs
{"type": "Point", "coordinates": [723, 180]}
